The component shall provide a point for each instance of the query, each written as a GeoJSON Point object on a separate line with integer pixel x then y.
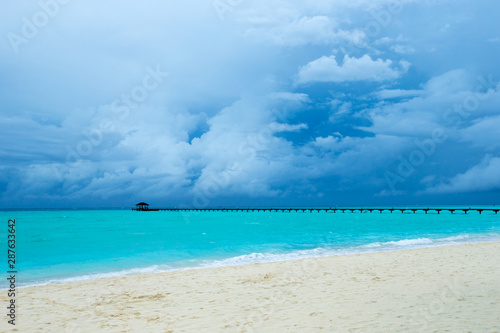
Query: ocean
{"type": "Point", "coordinates": [69, 245]}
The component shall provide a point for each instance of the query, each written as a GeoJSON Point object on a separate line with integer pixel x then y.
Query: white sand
{"type": "Point", "coordinates": [440, 289]}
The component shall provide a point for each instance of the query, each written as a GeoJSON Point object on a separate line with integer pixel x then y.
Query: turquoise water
{"type": "Point", "coordinates": [58, 246]}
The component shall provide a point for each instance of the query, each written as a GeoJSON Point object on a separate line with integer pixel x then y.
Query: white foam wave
{"type": "Point", "coordinates": [400, 243]}
{"type": "Point", "coordinates": [254, 258]}
{"type": "Point", "coordinates": [372, 247]}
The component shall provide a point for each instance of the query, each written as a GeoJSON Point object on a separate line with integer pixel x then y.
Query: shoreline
{"type": "Point", "coordinates": [405, 244]}
{"type": "Point", "coordinates": [441, 287]}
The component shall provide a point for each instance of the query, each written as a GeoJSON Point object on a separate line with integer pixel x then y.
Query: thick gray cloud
{"type": "Point", "coordinates": [482, 177]}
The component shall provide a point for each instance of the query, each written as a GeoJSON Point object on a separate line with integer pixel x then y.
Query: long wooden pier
{"type": "Point", "coordinates": [326, 210]}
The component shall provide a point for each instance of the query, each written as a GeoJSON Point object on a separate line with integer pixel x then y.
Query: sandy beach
{"type": "Point", "coordinates": [440, 289]}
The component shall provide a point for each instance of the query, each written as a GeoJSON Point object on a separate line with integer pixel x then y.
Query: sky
{"type": "Point", "coordinates": [244, 103]}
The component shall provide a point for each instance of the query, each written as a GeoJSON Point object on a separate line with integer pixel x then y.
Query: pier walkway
{"type": "Point", "coordinates": [326, 210]}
